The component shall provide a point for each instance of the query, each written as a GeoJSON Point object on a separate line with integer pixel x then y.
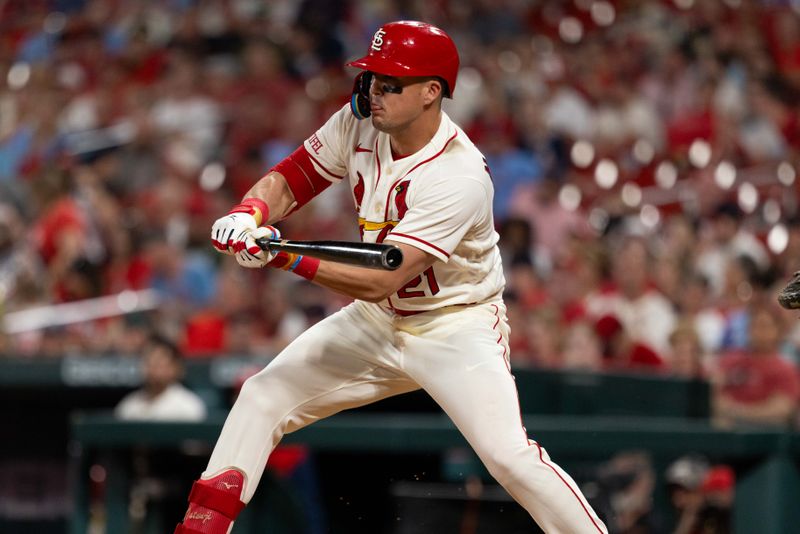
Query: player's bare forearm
{"type": "Point", "coordinates": [372, 285]}
{"type": "Point", "coordinates": [273, 190]}
{"type": "Point", "coordinates": [777, 409]}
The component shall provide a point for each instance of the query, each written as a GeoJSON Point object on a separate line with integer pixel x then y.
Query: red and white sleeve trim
{"type": "Point", "coordinates": [421, 244]}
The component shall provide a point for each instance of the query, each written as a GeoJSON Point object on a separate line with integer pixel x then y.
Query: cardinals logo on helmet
{"type": "Point", "coordinates": [377, 40]}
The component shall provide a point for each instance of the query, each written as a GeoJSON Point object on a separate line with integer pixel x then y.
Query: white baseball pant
{"type": "Point", "coordinates": [362, 354]}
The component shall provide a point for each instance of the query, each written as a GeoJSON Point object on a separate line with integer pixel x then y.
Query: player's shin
{"type": "Point", "coordinates": [214, 504]}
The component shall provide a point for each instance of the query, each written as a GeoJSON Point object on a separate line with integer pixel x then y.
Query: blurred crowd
{"type": "Point", "coordinates": [644, 154]}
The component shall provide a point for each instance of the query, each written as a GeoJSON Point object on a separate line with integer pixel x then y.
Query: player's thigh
{"type": "Point", "coordinates": [466, 371]}
{"type": "Point", "coordinates": [330, 366]}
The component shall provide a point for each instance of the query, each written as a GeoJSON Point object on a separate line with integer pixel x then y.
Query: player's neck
{"type": "Point", "coordinates": [154, 390]}
{"type": "Point", "coordinates": [418, 134]}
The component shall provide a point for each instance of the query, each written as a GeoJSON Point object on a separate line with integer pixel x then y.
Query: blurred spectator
{"type": "Point", "coordinates": [542, 328]}
{"type": "Point", "coordinates": [742, 280]}
{"type": "Point", "coordinates": [162, 397]}
{"type": "Point", "coordinates": [189, 121]}
{"type": "Point", "coordinates": [621, 352]}
{"type": "Point", "coordinates": [644, 312]}
{"type": "Point", "coordinates": [553, 223]}
{"type": "Point", "coordinates": [627, 481]}
{"type": "Point", "coordinates": [527, 284]}
{"type": "Point", "coordinates": [756, 386]}
{"type": "Point", "coordinates": [582, 349]}
{"type": "Point", "coordinates": [518, 245]}
{"type": "Point", "coordinates": [730, 239]}
{"type": "Point", "coordinates": [510, 166]}
{"type": "Point", "coordinates": [694, 305]}
{"type": "Point", "coordinates": [684, 478]}
{"type": "Point", "coordinates": [686, 354]}
{"type": "Point", "coordinates": [20, 266]}
{"type": "Point", "coordinates": [701, 495]}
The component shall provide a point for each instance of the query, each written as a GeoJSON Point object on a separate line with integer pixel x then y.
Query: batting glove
{"type": "Point", "coordinates": [249, 254]}
{"type": "Point", "coordinates": [229, 232]}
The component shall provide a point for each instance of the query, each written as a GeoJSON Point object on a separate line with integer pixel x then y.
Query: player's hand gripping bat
{"type": "Point", "coordinates": [372, 255]}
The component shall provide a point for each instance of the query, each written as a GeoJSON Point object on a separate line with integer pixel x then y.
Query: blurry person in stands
{"type": "Point", "coordinates": [538, 203]}
{"type": "Point", "coordinates": [518, 243]}
{"type": "Point", "coordinates": [719, 489]}
{"type": "Point", "coordinates": [21, 274]}
{"type": "Point", "coordinates": [621, 353]}
{"type": "Point", "coordinates": [543, 329]}
{"type": "Point", "coordinates": [162, 397]}
{"type": "Point", "coordinates": [686, 352]}
{"type": "Point", "coordinates": [530, 287]}
{"type": "Point", "coordinates": [701, 495]}
{"type": "Point", "coordinates": [684, 478]}
{"type": "Point", "coordinates": [18, 260]}
{"type": "Point", "coordinates": [645, 313]}
{"type": "Point", "coordinates": [694, 304]}
{"type": "Point", "coordinates": [582, 349]}
{"type": "Point", "coordinates": [729, 239]}
{"type": "Point", "coordinates": [626, 483]}
{"type": "Point", "coordinates": [742, 280]}
{"type": "Point", "coordinates": [756, 386]}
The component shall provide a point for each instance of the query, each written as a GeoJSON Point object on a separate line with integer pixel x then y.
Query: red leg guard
{"type": "Point", "coordinates": [214, 504]}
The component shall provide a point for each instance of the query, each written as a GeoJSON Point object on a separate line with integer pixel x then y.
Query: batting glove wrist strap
{"type": "Point", "coordinates": [296, 263]}
{"type": "Point", "coordinates": [255, 207]}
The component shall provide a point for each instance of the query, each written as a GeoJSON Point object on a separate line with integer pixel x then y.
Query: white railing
{"type": "Point", "coordinates": [79, 311]}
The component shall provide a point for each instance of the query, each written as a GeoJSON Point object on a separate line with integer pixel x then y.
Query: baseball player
{"type": "Point", "coordinates": [438, 322]}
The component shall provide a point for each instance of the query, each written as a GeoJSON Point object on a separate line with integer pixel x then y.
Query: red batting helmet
{"type": "Point", "coordinates": [411, 48]}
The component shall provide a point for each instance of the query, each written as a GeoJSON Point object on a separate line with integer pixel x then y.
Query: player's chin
{"type": "Point", "coordinates": [379, 122]}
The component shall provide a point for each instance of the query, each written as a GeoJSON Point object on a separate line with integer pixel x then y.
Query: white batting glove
{"type": "Point", "coordinates": [249, 254]}
{"type": "Point", "coordinates": [229, 232]}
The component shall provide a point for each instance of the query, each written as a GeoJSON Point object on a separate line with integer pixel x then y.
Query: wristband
{"type": "Point", "coordinates": [296, 263]}
{"type": "Point", "coordinates": [255, 207]}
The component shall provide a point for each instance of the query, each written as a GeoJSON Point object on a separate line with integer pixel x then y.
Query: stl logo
{"type": "Point", "coordinates": [377, 40]}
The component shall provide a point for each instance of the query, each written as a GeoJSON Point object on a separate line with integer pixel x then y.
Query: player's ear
{"type": "Point", "coordinates": [432, 91]}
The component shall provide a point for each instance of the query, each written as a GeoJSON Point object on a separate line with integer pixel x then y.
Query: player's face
{"type": "Point", "coordinates": [396, 102]}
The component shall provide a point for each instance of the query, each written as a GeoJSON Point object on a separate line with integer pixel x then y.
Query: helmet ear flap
{"type": "Point", "coordinates": [359, 101]}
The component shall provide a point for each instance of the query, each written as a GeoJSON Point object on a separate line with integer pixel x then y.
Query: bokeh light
{"type": "Point", "coordinates": [747, 197]}
{"type": "Point", "coordinates": [725, 175]}
{"type": "Point", "coordinates": [606, 173]}
{"type": "Point", "coordinates": [569, 196]}
{"type": "Point", "coordinates": [778, 239]}
{"type": "Point", "coordinates": [631, 195]}
{"type": "Point", "coordinates": [666, 175]}
{"type": "Point", "coordinates": [700, 153]}
{"type": "Point", "coordinates": [582, 154]}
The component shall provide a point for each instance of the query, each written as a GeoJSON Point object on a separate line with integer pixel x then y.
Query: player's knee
{"type": "Point", "coordinates": [257, 394]}
{"type": "Point", "coordinates": [508, 465]}
{"type": "Point", "coordinates": [501, 466]}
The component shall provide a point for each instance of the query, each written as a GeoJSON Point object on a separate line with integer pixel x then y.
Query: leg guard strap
{"type": "Point", "coordinates": [180, 529]}
{"type": "Point", "coordinates": [217, 500]}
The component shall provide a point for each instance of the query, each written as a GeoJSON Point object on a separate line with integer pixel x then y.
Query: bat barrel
{"type": "Point", "coordinates": [372, 255]}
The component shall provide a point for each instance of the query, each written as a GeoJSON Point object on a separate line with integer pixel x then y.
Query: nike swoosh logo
{"type": "Point", "coordinates": [475, 366]}
{"type": "Point", "coordinates": [359, 149]}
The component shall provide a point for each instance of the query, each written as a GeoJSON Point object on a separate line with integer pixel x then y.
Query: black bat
{"type": "Point", "coordinates": [372, 255]}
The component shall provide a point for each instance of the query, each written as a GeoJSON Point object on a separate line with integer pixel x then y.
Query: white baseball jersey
{"type": "Point", "coordinates": [438, 200]}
